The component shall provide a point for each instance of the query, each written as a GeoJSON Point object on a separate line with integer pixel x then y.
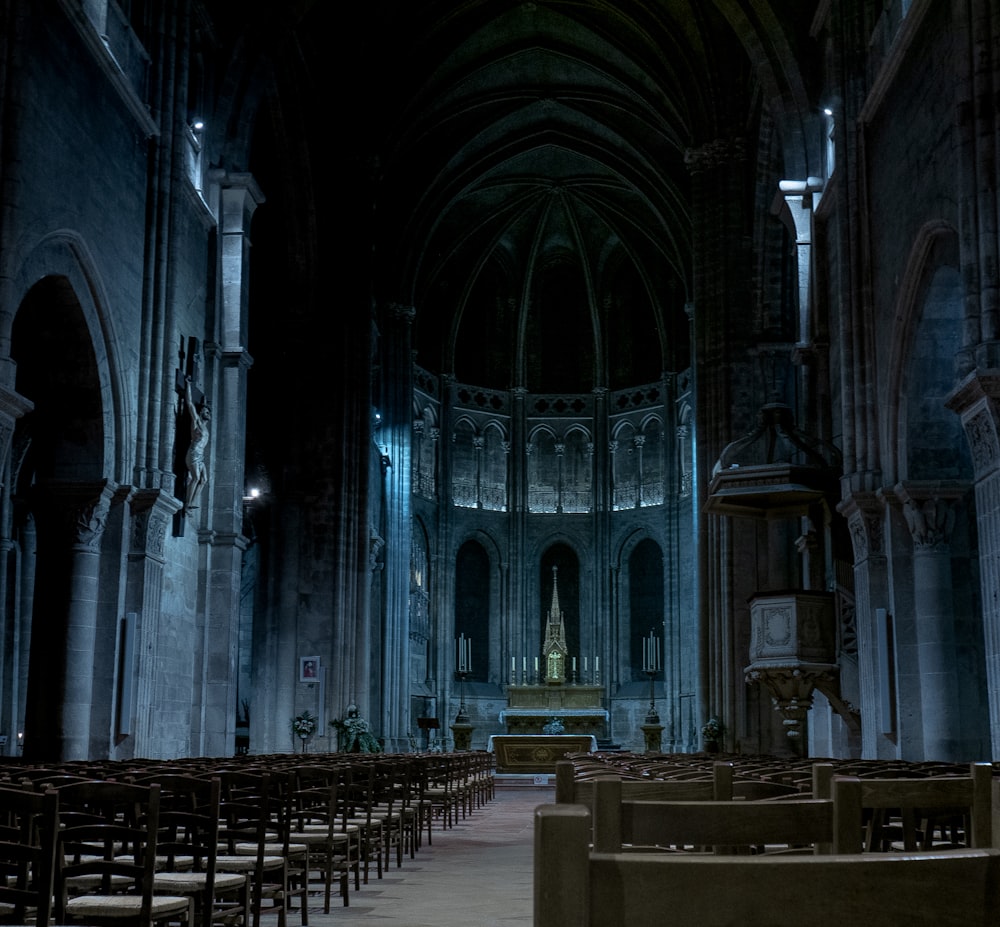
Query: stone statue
{"type": "Point", "coordinates": [195, 458]}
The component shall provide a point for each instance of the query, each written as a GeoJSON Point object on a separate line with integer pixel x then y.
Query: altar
{"type": "Point", "coordinates": [530, 708]}
{"type": "Point", "coordinates": [552, 693]}
{"type": "Point", "coordinates": [537, 753]}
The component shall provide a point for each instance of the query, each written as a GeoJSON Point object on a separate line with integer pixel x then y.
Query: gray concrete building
{"type": "Point", "coordinates": [337, 345]}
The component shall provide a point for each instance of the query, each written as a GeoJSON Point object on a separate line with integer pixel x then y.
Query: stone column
{"type": "Point", "coordinates": [722, 334]}
{"type": "Point", "coordinates": [221, 536]}
{"type": "Point", "coordinates": [930, 515]}
{"type": "Point", "coordinates": [152, 512]}
{"type": "Point", "coordinates": [976, 401]}
{"type": "Point", "coordinates": [90, 516]}
{"type": "Point", "coordinates": [396, 434]}
{"type": "Point", "coordinates": [864, 512]}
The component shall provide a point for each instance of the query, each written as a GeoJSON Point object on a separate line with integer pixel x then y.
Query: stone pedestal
{"type": "Point", "coordinates": [462, 735]}
{"type": "Point", "coordinates": [652, 733]}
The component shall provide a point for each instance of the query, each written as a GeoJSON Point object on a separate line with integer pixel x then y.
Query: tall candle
{"type": "Point", "coordinates": [597, 664]}
{"type": "Point", "coordinates": [536, 664]}
{"type": "Point", "coordinates": [513, 665]}
{"type": "Point", "coordinates": [574, 664]}
{"type": "Point", "coordinates": [585, 664]}
{"type": "Point", "coordinates": [524, 664]}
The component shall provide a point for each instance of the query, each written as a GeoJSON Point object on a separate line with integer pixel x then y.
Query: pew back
{"type": "Point", "coordinates": [575, 887]}
{"type": "Point", "coordinates": [724, 826]}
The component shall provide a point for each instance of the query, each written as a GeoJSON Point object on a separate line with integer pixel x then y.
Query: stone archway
{"type": "Point", "coordinates": [61, 500]}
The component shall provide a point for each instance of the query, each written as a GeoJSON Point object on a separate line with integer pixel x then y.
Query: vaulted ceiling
{"type": "Point", "coordinates": [526, 166]}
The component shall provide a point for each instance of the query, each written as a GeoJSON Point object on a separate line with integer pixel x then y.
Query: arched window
{"type": "Point", "coordinates": [472, 605]}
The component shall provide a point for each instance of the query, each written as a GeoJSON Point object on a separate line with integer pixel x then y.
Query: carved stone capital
{"type": "Point", "coordinates": [152, 512]}
{"type": "Point", "coordinates": [864, 512]}
{"type": "Point", "coordinates": [930, 509]}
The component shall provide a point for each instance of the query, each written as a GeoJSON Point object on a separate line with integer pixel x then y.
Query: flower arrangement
{"type": "Point", "coordinates": [354, 734]}
{"type": "Point", "coordinates": [303, 725]}
{"type": "Point", "coordinates": [712, 729]}
{"type": "Point", "coordinates": [554, 726]}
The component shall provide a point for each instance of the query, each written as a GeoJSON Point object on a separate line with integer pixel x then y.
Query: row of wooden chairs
{"type": "Point", "coordinates": [201, 842]}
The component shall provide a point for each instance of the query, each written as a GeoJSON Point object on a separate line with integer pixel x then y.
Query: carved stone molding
{"type": "Point", "coordinates": [864, 512]}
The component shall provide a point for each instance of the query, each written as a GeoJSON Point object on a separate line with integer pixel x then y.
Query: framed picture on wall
{"type": "Point", "coordinates": [308, 669]}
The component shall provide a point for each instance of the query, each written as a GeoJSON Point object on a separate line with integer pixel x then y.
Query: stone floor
{"type": "Point", "coordinates": [478, 873]}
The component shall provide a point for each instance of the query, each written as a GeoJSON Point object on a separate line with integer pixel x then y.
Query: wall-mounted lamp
{"type": "Point", "coordinates": [386, 462]}
{"type": "Point", "coordinates": [197, 125]}
{"type": "Point", "coordinates": [827, 111]}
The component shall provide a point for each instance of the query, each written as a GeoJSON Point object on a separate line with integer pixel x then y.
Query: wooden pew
{"type": "Point", "coordinates": [575, 887]}
{"type": "Point", "coordinates": [799, 824]}
{"type": "Point", "coordinates": [916, 804]}
{"type": "Point", "coordinates": [716, 785]}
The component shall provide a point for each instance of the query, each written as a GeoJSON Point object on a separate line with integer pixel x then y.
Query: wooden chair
{"type": "Point", "coordinates": [360, 812]}
{"type": "Point", "coordinates": [441, 791]}
{"type": "Point", "coordinates": [724, 827]}
{"type": "Point", "coordinates": [28, 824]}
{"type": "Point", "coordinates": [187, 851]}
{"type": "Point", "coordinates": [107, 856]}
{"type": "Point", "coordinates": [575, 887]}
{"type": "Point", "coordinates": [905, 813]}
{"type": "Point", "coordinates": [334, 850]}
{"type": "Point", "coordinates": [250, 842]}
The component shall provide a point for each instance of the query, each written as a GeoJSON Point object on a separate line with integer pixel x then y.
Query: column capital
{"type": "Point", "coordinates": [977, 401]}
{"type": "Point", "coordinates": [152, 511]}
{"type": "Point", "coordinates": [929, 508]}
{"type": "Point", "coordinates": [864, 512]}
{"type": "Point", "coordinates": [240, 197]}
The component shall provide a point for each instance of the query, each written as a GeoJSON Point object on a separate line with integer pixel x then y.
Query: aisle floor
{"type": "Point", "coordinates": [477, 873]}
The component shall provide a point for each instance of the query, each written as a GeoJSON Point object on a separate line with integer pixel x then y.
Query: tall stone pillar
{"type": "Point", "coordinates": [72, 517]}
{"type": "Point", "coordinates": [930, 515]}
{"type": "Point", "coordinates": [221, 535]}
{"type": "Point", "coordinates": [152, 512]}
{"type": "Point", "coordinates": [864, 512]}
{"type": "Point", "coordinates": [726, 408]}
{"type": "Point", "coordinates": [396, 435]}
{"type": "Point", "coordinates": [977, 401]}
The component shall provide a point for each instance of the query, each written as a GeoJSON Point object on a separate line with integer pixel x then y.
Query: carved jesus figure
{"type": "Point", "coordinates": [195, 458]}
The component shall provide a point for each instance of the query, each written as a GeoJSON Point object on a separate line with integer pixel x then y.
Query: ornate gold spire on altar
{"type": "Point", "coordinates": [554, 650]}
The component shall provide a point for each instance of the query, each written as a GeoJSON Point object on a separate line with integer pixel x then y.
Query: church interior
{"type": "Point", "coordinates": [626, 369]}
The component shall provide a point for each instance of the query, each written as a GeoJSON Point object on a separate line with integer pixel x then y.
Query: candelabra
{"type": "Point", "coordinates": [464, 667]}
{"type": "Point", "coordinates": [651, 666]}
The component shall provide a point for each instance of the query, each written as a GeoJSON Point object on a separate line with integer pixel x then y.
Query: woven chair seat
{"type": "Point", "coordinates": [190, 882]}
{"type": "Point", "coordinates": [270, 849]}
{"type": "Point", "coordinates": [99, 906]}
{"type": "Point", "coordinates": [318, 838]}
{"type": "Point", "coordinates": [246, 862]}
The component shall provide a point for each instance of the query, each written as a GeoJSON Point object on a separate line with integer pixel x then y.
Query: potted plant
{"type": "Point", "coordinates": [711, 734]}
{"type": "Point", "coordinates": [303, 727]}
